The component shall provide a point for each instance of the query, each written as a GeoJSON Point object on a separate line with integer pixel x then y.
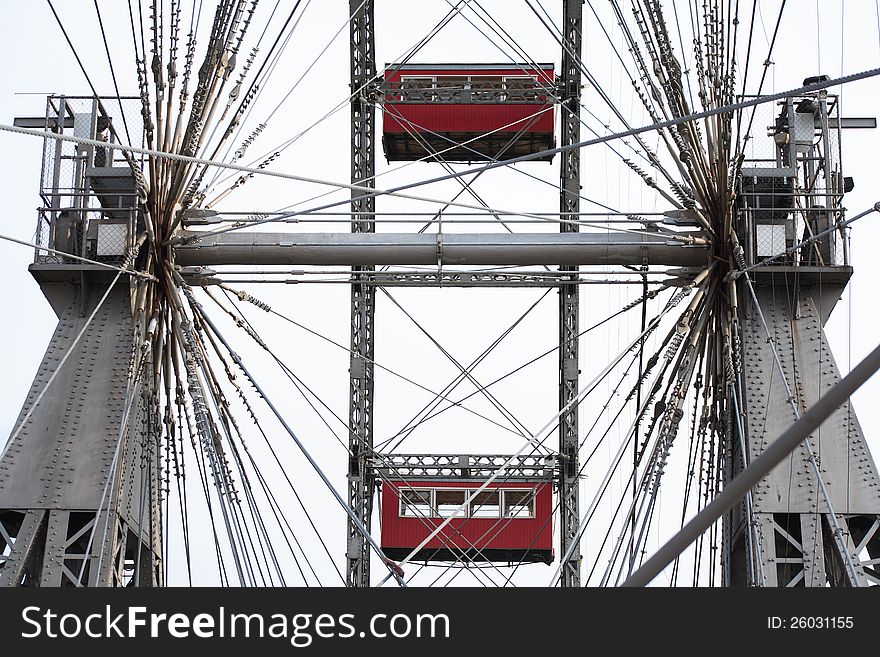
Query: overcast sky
{"type": "Point", "coordinates": [815, 37]}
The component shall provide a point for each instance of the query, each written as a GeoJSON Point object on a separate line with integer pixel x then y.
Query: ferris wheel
{"type": "Point", "coordinates": [475, 294]}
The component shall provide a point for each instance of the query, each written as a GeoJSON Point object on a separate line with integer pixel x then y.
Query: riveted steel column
{"type": "Point", "coordinates": [796, 534]}
{"type": "Point", "coordinates": [569, 206]}
{"type": "Point", "coordinates": [66, 482]}
{"type": "Point", "coordinates": [361, 481]}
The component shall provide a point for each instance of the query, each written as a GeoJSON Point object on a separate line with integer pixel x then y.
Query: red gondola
{"type": "Point", "coordinates": [510, 521]}
{"type": "Point", "coordinates": [467, 112]}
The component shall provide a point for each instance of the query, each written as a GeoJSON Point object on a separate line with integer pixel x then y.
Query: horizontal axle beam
{"type": "Point", "coordinates": [243, 248]}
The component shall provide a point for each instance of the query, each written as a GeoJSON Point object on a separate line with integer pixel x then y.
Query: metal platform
{"type": "Point", "coordinates": [115, 189]}
{"type": "Point", "coordinates": [462, 467]}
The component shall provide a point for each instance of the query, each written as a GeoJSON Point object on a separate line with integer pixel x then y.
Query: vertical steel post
{"type": "Point", "coordinates": [361, 480]}
{"type": "Point", "coordinates": [569, 206]}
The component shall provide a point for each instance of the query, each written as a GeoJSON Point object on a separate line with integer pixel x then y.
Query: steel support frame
{"type": "Point", "coordinates": [795, 533]}
{"type": "Point", "coordinates": [527, 467]}
{"type": "Point", "coordinates": [56, 524]}
{"type": "Point", "coordinates": [569, 207]}
{"type": "Point", "coordinates": [361, 478]}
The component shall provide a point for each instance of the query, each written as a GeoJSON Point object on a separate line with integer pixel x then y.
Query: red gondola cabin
{"type": "Point", "coordinates": [507, 522]}
{"type": "Point", "coordinates": [467, 112]}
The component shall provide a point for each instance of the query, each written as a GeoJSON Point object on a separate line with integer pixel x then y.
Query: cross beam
{"type": "Point", "coordinates": [358, 249]}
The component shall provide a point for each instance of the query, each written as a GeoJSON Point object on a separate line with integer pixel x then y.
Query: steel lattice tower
{"type": "Point", "coordinates": [569, 295]}
{"type": "Point", "coordinates": [361, 478]}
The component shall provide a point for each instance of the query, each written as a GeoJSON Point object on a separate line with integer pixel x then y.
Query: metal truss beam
{"type": "Point", "coordinates": [569, 302]}
{"type": "Point", "coordinates": [361, 478]}
{"type": "Point", "coordinates": [467, 279]}
{"type": "Point", "coordinates": [364, 248]}
{"type": "Point", "coordinates": [532, 467]}
{"type": "Point", "coordinates": [23, 535]}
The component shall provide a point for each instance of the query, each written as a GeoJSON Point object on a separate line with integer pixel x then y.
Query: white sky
{"type": "Point", "coordinates": [37, 61]}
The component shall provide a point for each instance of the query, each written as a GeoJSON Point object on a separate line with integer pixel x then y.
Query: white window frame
{"type": "Point", "coordinates": [427, 90]}
{"type": "Point", "coordinates": [406, 78]}
{"type": "Point", "coordinates": [534, 502]}
{"type": "Point", "coordinates": [434, 511]}
{"type": "Point", "coordinates": [505, 78]}
{"type": "Point", "coordinates": [464, 513]}
{"type": "Point", "coordinates": [403, 505]}
{"type": "Point", "coordinates": [500, 503]}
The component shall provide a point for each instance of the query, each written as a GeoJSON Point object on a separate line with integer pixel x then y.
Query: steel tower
{"type": "Point", "coordinates": [79, 489]}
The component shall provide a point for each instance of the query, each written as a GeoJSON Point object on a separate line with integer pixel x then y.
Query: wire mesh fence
{"type": "Point", "coordinates": [94, 234]}
{"type": "Point", "coordinates": [792, 185]}
{"type": "Point", "coordinates": [91, 192]}
{"type": "Point", "coordinates": [65, 163]}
